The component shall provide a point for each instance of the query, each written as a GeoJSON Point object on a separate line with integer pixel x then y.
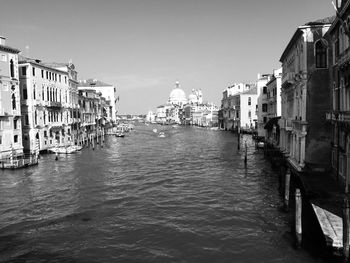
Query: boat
{"type": "Point", "coordinates": [161, 135]}
{"type": "Point", "coordinates": [119, 134]}
{"type": "Point", "coordinates": [154, 130]}
{"type": "Point", "coordinates": [65, 149]}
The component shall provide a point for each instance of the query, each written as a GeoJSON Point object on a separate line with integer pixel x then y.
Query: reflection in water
{"type": "Point", "coordinates": [186, 198]}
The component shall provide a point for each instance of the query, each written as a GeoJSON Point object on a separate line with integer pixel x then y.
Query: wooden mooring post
{"type": "Point", "coordinates": [298, 217]}
{"type": "Point", "coordinates": [245, 153]}
{"type": "Point", "coordinates": [286, 190]}
{"type": "Point", "coordinates": [346, 231]}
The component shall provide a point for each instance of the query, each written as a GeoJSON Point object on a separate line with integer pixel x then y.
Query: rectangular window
{"type": "Point", "coordinates": [25, 94]}
{"type": "Point", "coordinates": [15, 124]}
{"type": "Point", "coordinates": [33, 71]}
{"type": "Point", "coordinates": [3, 57]}
{"type": "Point", "coordinates": [264, 107]}
{"type": "Point", "coordinates": [26, 121]}
{"type": "Point", "coordinates": [24, 71]}
{"type": "Point", "coordinates": [249, 101]}
{"type": "Point", "coordinates": [0, 139]}
{"type": "Point", "coordinates": [42, 73]}
{"type": "Point", "coordinates": [249, 114]}
{"type": "Point", "coordinates": [15, 138]}
{"type": "Point", "coordinates": [45, 134]}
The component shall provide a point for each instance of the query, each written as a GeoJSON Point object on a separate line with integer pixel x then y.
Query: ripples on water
{"type": "Point", "coordinates": [183, 198]}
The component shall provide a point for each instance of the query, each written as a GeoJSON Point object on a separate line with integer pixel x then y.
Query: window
{"type": "Point", "coordinates": [265, 119]}
{"type": "Point", "coordinates": [249, 101]}
{"type": "Point", "coordinates": [3, 57]}
{"type": "Point", "coordinates": [0, 139]}
{"type": "Point", "coordinates": [13, 101]}
{"type": "Point", "coordinates": [15, 138]}
{"type": "Point", "coordinates": [33, 71]}
{"type": "Point", "coordinates": [12, 69]}
{"type": "Point", "coordinates": [249, 114]}
{"type": "Point", "coordinates": [264, 90]}
{"type": "Point", "coordinates": [26, 120]}
{"type": "Point", "coordinates": [264, 107]}
{"type": "Point", "coordinates": [15, 124]}
{"type": "Point", "coordinates": [24, 71]}
{"type": "Point", "coordinates": [42, 73]}
{"type": "Point", "coordinates": [25, 94]}
{"type": "Point", "coordinates": [45, 134]}
{"type": "Point", "coordinates": [321, 54]}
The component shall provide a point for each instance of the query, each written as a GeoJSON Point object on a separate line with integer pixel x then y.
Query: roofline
{"type": "Point", "coordinates": [40, 65]}
{"type": "Point", "coordinates": [297, 34]}
{"type": "Point", "coordinates": [9, 49]}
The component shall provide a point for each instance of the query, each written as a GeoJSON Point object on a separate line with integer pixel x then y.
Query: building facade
{"type": "Point", "coordinates": [304, 135]}
{"type": "Point", "coordinates": [50, 112]}
{"type": "Point", "coordinates": [108, 91]}
{"type": "Point", "coordinates": [339, 116]}
{"type": "Point", "coordinates": [10, 106]}
{"type": "Point", "coordinates": [273, 100]}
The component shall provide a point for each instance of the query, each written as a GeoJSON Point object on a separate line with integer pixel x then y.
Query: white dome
{"type": "Point", "coordinates": [177, 96]}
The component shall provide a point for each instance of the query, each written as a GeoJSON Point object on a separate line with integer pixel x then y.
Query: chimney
{"type": "Point", "coordinates": [2, 40]}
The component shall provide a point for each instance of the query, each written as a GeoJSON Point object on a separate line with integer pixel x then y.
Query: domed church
{"type": "Point", "coordinates": [177, 96]}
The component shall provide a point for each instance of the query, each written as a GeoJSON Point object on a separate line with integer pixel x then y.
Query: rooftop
{"type": "Point", "coordinates": [92, 82]}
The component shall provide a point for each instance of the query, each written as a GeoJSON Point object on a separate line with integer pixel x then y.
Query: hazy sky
{"type": "Point", "coordinates": [143, 46]}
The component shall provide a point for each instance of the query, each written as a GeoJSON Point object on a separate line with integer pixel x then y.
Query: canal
{"type": "Point", "coordinates": [187, 197]}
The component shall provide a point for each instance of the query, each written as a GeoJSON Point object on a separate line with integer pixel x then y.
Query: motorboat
{"type": "Point", "coordinates": [120, 134]}
{"type": "Point", "coordinates": [161, 135]}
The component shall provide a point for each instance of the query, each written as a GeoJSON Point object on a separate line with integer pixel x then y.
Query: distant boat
{"type": "Point", "coordinates": [155, 130]}
{"type": "Point", "coordinates": [65, 149]}
{"type": "Point", "coordinates": [161, 135]}
{"type": "Point", "coordinates": [119, 134]}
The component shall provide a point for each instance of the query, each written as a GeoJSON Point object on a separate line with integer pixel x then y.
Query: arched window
{"type": "Point", "coordinates": [321, 54]}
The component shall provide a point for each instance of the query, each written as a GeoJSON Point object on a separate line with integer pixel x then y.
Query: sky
{"type": "Point", "coordinates": [144, 46]}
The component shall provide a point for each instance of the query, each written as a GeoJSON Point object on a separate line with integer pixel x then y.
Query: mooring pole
{"type": "Point", "coordinates": [286, 190]}
{"type": "Point", "coordinates": [238, 139]}
{"type": "Point", "coordinates": [245, 153]}
{"type": "Point", "coordinates": [298, 219]}
{"type": "Point", "coordinates": [346, 229]}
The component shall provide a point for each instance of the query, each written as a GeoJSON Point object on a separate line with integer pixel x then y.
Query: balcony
{"type": "Point", "coordinates": [54, 104]}
{"type": "Point", "coordinates": [341, 116]}
{"type": "Point", "coordinates": [300, 126]}
{"type": "Point", "coordinates": [288, 79]}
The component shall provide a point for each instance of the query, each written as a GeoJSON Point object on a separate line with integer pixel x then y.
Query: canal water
{"type": "Point", "coordinates": [186, 197]}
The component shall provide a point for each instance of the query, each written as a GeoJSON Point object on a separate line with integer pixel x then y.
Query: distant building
{"type": "Point", "coordinates": [108, 91]}
{"type": "Point", "coordinates": [273, 101]}
{"type": "Point", "coordinates": [262, 103]}
{"type": "Point", "coordinates": [231, 118]}
{"type": "Point", "coordinates": [10, 106]}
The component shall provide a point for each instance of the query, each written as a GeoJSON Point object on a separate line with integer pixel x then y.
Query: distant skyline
{"type": "Point", "coordinates": [144, 46]}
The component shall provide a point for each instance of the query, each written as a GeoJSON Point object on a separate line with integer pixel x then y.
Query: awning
{"type": "Point", "coordinates": [272, 122]}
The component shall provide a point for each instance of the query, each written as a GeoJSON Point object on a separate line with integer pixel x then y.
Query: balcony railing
{"type": "Point", "coordinates": [288, 78]}
{"type": "Point", "coordinates": [342, 116]}
{"type": "Point", "coordinates": [54, 104]}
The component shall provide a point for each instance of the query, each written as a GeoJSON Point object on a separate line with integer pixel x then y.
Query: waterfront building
{"type": "Point", "coordinates": [304, 135]}
{"type": "Point", "coordinates": [261, 82]}
{"type": "Point", "coordinates": [243, 107]}
{"type": "Point", "coordinates": [49, 104]}
{"type": "Point", "coordinates": [108, 91]}
{"type": "Point", "coordinates": [88, 103]}
{"type": "Point", "coordinates": [150, 117]}
{"type": "Point", "coordinates": [177, 96]}
{"type": "Point", "coordinates": [339, 115]}
{"type": "Point", "coordinates": [273, 100]}
{"type": "Point", "coordinates": [10, 106]}
{"type": "Point", "coordinates": [228, 104]}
